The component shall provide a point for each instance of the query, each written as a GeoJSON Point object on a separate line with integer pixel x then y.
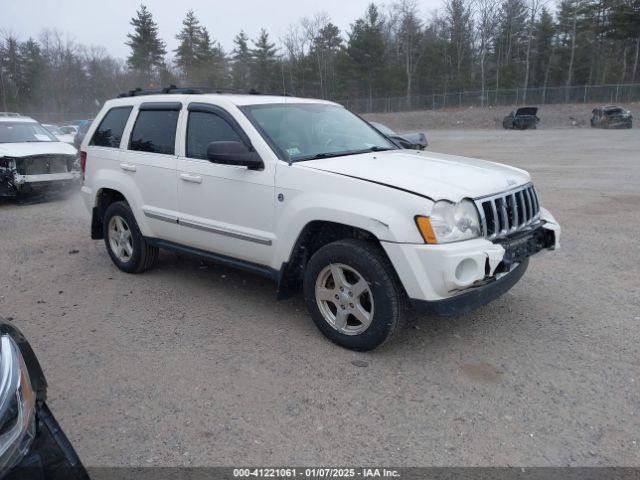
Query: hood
{"type": "Point", "coordinates": [433, 175]}
{"type": "Point", "coordinates": [35, 148]}
{"type": "Point", "coordinates": [617, 112]}
{"type": "Point", "coordinates": [417, 138]}
{"type": "Point", "coordinates": [527, 111]}
{"type": "Point", "coordinates": [66, 138]}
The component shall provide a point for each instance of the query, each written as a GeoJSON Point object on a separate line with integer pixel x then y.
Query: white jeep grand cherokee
{"type": "Point", "coordinates": [308, 194]}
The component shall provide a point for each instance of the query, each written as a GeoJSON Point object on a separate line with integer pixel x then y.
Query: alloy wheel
{"type": "Point", "coordinates": [344, 299]}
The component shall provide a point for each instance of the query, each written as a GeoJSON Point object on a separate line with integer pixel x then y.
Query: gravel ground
{"type": "Point", "coordinates": [196, 364]}
{"type": "Point", "coordinates": [551, 116]}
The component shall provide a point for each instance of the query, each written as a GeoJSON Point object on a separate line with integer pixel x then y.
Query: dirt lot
{"type": "Point", "coordinates": [551, 116]}
{"type": "Point", "coordinates": [195, 364]}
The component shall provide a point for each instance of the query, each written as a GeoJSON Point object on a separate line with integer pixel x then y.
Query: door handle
{"type": "Point", "coordinates": [187, 177]}
{"type": "Point", "coordinates": [128, 167]}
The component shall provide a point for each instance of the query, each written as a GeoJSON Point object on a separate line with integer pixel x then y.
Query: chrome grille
{"type": "Point", "coordinates": [509, 212]}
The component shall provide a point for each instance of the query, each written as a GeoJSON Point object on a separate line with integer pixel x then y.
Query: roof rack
{"type": "Point", "coordinates": [174, 90]}
{"type": "Point", "coordinates": [9, 114]}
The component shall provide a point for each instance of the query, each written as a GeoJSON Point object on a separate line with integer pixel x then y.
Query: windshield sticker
{"type": "Point", "coordinates": [293, 151]}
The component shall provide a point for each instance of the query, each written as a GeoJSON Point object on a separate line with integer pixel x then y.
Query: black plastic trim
{"type": "Point", "coordinates": [222, 113]}
{"type": "Point", "coordinates": [50, 456]}
{"type": "Point", "coordinates": [466, 302]}
{"type": "Point", "coordinates": [258, 269]}
{"type": "Point", "coordinates": [171, 106]}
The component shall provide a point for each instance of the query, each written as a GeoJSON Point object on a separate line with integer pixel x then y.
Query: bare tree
{"type": "Point", "coordinates": [295, 44]}
{"type": "Point", "coordinates": [572, 55]}
{"type": "Point", "coordinates": [486, 24]}
{"type": "Point", "coordinates": [409, 36]}
{"type": "Point", "coordinates": [533, 7]}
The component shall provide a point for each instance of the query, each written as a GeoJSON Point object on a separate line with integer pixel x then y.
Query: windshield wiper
{"type": "Point", "coordinates": [378, 148]}
{"type": "Point", "coordinates": [318, 156]}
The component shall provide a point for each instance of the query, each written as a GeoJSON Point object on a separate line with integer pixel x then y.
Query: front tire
{"type": "Point", "coordinates": [353, 294]}
{"type": "Point", "coordinates": [126, 246]}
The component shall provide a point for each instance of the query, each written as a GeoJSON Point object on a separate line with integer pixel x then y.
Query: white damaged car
{"type": "Point", "coordinates": [32, 158]}
{"type": "Point", "coordinates": [311, 196]}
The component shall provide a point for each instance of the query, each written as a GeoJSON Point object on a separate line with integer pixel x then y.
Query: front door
{"type": "Point", "coordinates": [224, 209]}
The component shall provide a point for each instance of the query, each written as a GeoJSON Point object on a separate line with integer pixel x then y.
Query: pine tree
{"type": "Point", "coordinates": [32, 67]}
{"type": "Point", "coordinates": [366, 48]}
{"type": "Point", "coordinates": [241, 62]}
{"type": "Point", "coordinates": [186, 54]}
{"type": "Point", "coordinates": [211, 61]}
{"type": "Point", "coordinates": [264, 72]}
{"type": "Point", "coordinates": [325, 47]}
{"type": "Point", "coordinates": [147, 50]}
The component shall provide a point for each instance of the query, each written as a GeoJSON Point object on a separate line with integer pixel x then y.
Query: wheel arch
{"type": "Point", "coordinates": [104, 197]}
{"type": "Point", "coordinates": [315, 235]}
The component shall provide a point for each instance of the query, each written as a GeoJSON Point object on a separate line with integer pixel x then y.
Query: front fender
{"type": "Point", "coordinates": [385, 212]}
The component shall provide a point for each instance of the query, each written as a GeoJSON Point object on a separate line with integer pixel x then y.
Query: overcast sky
{"type": "Point", "coordinates": [106, 23]}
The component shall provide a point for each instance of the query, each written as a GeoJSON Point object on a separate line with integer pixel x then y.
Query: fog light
{"type": "Point", "coordinates": [466, 270]}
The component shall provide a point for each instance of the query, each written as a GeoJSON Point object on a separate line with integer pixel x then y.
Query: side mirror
{"type": "Point", "coordinates": [234, 153]}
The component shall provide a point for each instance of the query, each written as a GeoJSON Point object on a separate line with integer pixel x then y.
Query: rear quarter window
{"type": "Point", "coordinates": [109, 132]}
{"type": "Point", "coordinates": [155, 131]}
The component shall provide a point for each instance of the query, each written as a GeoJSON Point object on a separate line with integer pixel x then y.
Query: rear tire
{"type": "Point", "coordinates": [126, 246]}
{"type": "Point", "coordinates": [364, 307]}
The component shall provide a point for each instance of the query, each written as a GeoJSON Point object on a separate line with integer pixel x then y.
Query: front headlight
{"type": "Point", "coordinates": [17, 405]}
{"type": "Point", "coordinates": [450, 222]}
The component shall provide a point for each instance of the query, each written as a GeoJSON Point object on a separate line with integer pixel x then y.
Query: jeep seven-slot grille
{"type": "Point", "coordinates": [509, 212]}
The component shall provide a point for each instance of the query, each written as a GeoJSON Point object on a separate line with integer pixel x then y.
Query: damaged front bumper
{"type": "Point", "coordinates": [455, 278]}
{"type": "Point", "coordinates": [16, 178]}
{"type": "Point", "coordinates": [50, 456]}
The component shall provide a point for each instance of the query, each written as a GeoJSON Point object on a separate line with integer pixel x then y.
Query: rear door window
{"type": "Point", "coordinates": [109, 133]}
{"type": "Point", "coordinates": [204, 128]}
{"type": "Point", "coordinates": [155, 131]}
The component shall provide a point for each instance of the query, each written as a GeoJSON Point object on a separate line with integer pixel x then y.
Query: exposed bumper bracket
{"type": "Point", "coordinates": [468, 301]}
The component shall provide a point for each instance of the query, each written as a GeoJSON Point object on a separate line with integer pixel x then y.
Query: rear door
{"type": "Point", "coordinates": [150, 159]}
{"type": "Point", "coordinates": [225, 209]}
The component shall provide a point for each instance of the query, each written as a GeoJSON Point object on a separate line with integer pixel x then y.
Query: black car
{"type": "Point", "coordinates": [409, 141]}
{"type": "Point", "coordinates": [611, 117]}
{"type": "Point", "coordinates": [523, 118]}
{"type": "Point", "coordinates": [32, 445]}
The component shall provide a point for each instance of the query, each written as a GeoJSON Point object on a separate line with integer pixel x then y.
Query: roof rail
{"type": "Point", "coordinates": [9, 114]}
{"type": "Point", "coordinates": [174, 90]}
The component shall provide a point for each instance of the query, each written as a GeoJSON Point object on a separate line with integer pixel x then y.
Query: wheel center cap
{"type": "Point", "coordinates": [344, 298]}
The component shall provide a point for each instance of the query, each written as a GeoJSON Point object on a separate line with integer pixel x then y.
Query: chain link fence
{"type": "Point", "coordinates": [599, 94]}
{"type": "Point", "coordinates": [602, 94]}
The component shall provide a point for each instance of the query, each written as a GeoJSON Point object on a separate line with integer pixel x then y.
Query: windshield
{"type": "Point", "coordinates": [18, 132]}
{"type": "Point", "coordinates": [383, 128]}
{"type": "Point", "coordinates": [306, 131]}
